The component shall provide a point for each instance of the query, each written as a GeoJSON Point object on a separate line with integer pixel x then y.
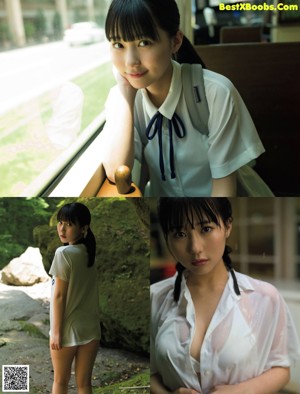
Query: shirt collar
{"type": "Point", "coordinates": [243, 282]}
{"type": "Point", "coordinates": [168, 107]}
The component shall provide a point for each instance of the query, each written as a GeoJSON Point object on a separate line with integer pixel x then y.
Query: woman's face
{"type": "Point", "coordinates": [199, 248]}
{"type": "Point", "coordinates": [69, 232]}
{"type": "Point", "coordinates": [146, 63]}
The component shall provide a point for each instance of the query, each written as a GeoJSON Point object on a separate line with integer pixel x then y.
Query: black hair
{"type": "Point", "coordinates": [78, 213]}
{"type": "Point", "coordinates": [130, 20]}
{"type": "Point", "coordinates": [176, 212]}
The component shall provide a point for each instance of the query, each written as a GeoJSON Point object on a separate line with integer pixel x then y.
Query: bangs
{"type": "Point", "coordinates": [177, 213]}
{"type": "Point", "coordinates": [67, 214]}
{"type": "Point", "coordinates": [130, 21]}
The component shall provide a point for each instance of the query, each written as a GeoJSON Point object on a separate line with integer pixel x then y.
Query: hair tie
{"type": "Point", "coordinates": [177, 288]}
{"type": "Point", "coordinates": [228, 265]}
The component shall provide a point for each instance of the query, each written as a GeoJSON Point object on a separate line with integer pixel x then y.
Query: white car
{"type": "Point", "coordinates": [83, 33]}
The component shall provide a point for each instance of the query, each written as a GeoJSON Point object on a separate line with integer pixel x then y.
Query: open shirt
{"type": "Point", "coordinates": [248, 335]}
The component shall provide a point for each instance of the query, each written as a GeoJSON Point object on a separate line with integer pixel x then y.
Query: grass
{"type": "Point", "coordinates": [31, 330]}
{"type": "Point", "coordinates": [138, 384]}
{"type": "Point", "coordinates": [25, 148]}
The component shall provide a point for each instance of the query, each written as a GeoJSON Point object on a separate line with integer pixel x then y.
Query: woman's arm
{"type": "Point", "coordinates": [224, 187]}
{"type": "Point", "coordinates": [157, 387]}
{"type": "Point", "coordinates": [269, 382]}
{"type": "Point", "coordinates": [59, 304]}
{"type": "Point", "coordinates": [119, 144]}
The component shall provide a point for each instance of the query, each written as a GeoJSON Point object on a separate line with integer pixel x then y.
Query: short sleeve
{"type": "Point", "coordinates": [61, 267]}
{"type": "Point", "coordinates": [285, 346]}
{"type": "Point", "coordinates": [233, 139]}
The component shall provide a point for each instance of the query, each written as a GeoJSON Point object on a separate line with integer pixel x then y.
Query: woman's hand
{"type": "Point", "coordinates": [124, 86]}
{"type": "Point", "coordinates": [55, 342]}
{"type": "Point", "coordinates": [183, 390]}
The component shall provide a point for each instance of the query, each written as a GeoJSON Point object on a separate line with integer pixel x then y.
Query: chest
{"type": "Point", "coordinates": [205, 308]}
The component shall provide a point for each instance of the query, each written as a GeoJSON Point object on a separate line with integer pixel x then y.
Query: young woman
{"type": "Point", "coordinates": [74, 308]}
{"type": "Point", "coordinates": [147, 114]}
{"type": "Point", "coordinates": [214, 330]}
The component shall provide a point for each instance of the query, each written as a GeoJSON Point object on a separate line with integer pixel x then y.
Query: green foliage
{"type": "Point", "coordinates": [57, 26]}
{"type": "Point", "coordinates": [18, 217]}
{"type": "Point", "coordinates": [30, 29]}
{"type": "Point", "coordinates": [19, 166]}
{"type": "Point", "coordinates": [40, 24]}
{"type": "Point", "coordinates": [31, 330]}
{"type": "Point", "coordinates": [4, 32]}
{"type": "Point", "coordinates": [138, 384]}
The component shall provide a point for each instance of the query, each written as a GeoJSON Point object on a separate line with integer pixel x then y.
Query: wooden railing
{"type": "Point", "coordinates": [100, 186]}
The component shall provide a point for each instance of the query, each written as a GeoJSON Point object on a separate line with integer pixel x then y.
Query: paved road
{"type": "Point", "coordinates": [28, 72]}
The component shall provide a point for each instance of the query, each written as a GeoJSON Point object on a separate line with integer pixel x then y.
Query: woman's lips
{"type": "Point", "coordinates": [136, 75]}
{"type": "Point", "coordinates": [199, 262]}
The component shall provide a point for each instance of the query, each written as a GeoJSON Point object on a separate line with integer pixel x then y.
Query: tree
{"type": "Point", "coordinates": [57, 26]}
{"type": "Point", "coordinates": [40, 24]}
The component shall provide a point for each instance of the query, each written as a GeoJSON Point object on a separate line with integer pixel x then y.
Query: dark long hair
{"type": "Point", "coordinates": [78, 213]}
{"type": "Point", "coordinates": [130, 20]}
{"type": "Point", "coordinates": [174, 212]}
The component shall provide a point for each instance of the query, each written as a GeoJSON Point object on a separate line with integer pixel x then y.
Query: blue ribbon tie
{"type": "Point", "coordinates": [156, 124]}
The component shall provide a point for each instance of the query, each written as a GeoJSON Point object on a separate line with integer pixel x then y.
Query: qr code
{"type": "Point", "coordinates": [15, 378]}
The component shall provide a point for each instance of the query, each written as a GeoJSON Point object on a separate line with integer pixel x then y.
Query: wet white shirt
{"type": "Point", "coordinates": [248, 335]}
{"type": "Point", "coordinates": [81, 323]}
{"type": "Point", "coordinates": [232, 142]}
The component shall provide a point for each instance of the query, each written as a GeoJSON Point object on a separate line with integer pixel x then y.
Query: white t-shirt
{"type": "Point", "coordinates": [81, 322]}
{"type": "Point", "coordinates": [232, 142]}
{"type": "Point", "coordinates": [248, 335]}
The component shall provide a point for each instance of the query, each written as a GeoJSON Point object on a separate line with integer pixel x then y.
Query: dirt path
{"type": "Point", "coordinates": [24, 315]}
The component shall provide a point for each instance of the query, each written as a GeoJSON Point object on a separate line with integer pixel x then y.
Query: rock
{"type": "Point", "coordinates": [16, 305]}
{"type": "Point", "coordinates": [25, 270]}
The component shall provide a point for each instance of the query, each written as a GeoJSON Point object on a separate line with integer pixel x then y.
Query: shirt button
{"type": "Point", "coordinates": [206, 373]}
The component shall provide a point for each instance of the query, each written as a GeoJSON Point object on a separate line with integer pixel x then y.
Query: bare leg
{"type": "Point", "coordinates": [84, 363]}
{"type": "Point", "coordinates": [62, 364]}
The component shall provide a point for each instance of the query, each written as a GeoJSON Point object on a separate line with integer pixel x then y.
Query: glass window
{"type": "Point", "coordinates": [265, 239]}
{"type": "Point", "coordinates": [55, 74]}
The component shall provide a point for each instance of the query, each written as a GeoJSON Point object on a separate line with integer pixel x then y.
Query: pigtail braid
{"type": "Point", "coordinates": [177, 288]}
{"type": "Point", "coordinates": [228, 265]}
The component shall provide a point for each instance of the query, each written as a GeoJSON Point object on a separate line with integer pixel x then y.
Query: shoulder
{"type": "Point", "coordinates": [262, 289]}
{"type": "Point", "coordinates": [216, 83]}
{"type": "Point", "coordinates": [61, 250]}
{"type": "Point", "coordinates": [161, 297]}
{"type": "Point", "coordinates": [69, 250]}
{"type": "Point", "coordinates": [160, 290]}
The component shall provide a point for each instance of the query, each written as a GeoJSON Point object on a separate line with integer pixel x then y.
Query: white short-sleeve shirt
{"type": "Point", "coordinates": [232, 141]}
{"type": "Point", "coordinates": [81, 323]}
{"type": "Point", "coordinates": [248, 335]}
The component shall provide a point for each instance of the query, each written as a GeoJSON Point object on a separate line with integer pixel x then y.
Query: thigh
{"type": "Point", "coordinates": [62, 361]}
{"type": "Point", "coordinates": [84, 362]}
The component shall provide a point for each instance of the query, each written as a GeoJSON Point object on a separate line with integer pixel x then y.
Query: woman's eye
{"type": "Point", "coordinates": [179, 234]}
{"type": "Point", "coordinates": [144, 43]}
{"type": "Point", "coordinates": [117, 45]}
{"type": "Point", "coordinates": [206, 229]}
